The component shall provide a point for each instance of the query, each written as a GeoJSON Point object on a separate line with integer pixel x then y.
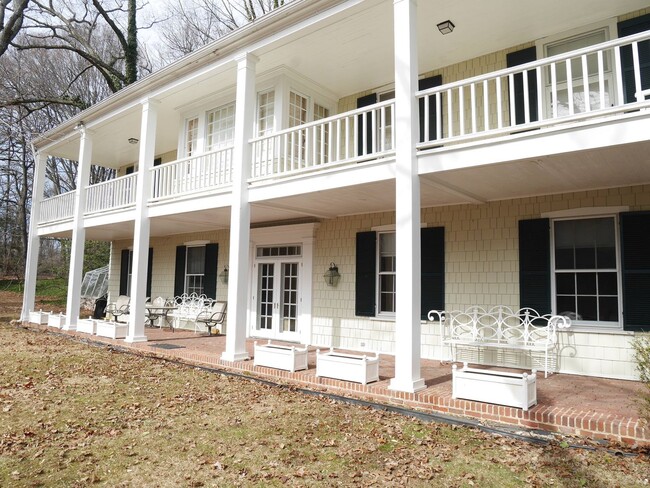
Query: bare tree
{"type": "Point", "coordinates": [11, 20]}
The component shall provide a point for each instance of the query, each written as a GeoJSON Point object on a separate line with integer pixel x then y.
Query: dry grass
{"type": "Point", "coordinates": [76, 415]}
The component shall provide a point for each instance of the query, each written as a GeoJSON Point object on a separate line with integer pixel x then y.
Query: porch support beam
{"type": "Point", "coordinates": [142, 224]}
{"type": "Point", "coordinates": [77, 246]}
{"type": "Point", "coordinates": [407, 209]}
{"type": "Point", "coordinates": [34, 241]}
{"type": "Point", "coordinates": [240, 217]}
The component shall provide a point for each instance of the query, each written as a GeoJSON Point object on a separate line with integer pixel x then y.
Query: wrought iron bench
{"type": "Point", "coordinates": [188, 308]}
{"type": "Point", "coordinates": [501, 328]}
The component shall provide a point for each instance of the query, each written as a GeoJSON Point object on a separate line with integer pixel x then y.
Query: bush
{"type": "Point", "coordinates": [641, 345]}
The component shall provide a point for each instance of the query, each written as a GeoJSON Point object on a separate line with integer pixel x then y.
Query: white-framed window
{"type": "Point", "coordinates": [322, 135]}
{"type": "Point", "coordinates": [220, 127]}
{"type": "Point", "coordinates": [191, 136]}
{"type": "Point", "coordinates": [386, 273]}
{"type": "Point", "coordinates": [298, 113]}
{"type": "Point", "coordinates": [129, 276]}
{"type": "Point", "coordinates": [572, 74]}
{"type": "Point", "coordinates": [195, 269]}
{"type": "Point", "coordinates": [385, 123]}
{"type": "Point", "coordinates": [265, 112]}
{"type": "Point", "coordinates": [586, 270]}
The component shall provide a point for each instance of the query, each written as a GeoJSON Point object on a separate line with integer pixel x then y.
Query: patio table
{"type": "Point", "coordinates": [161, 312]}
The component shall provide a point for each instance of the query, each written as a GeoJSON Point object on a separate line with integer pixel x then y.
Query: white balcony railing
{"type": "Point", "coordinates": [352, 137]}
{"type": "Point", "coordinates": [533, 95]}
{"type": "Point", "coordinates": [191, 175]}
{"type": "Point", "coordinates": [112, 194]}
{"type": "Point", "coordinates": [59, 207]}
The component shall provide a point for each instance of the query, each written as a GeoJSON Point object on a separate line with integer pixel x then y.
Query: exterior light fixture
{"type": "Point", "coordinates": [332, 275]}
{"type": "Point", "coordinates": [133, 140]}
{"type": "Point", "coordinates": [223, 276]}
{"type": "Point", "coordinates": [446, 27]}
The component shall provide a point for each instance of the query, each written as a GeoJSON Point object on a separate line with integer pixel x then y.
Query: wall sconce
{"type": "Point", "coordinates": [446, 27]}
{"type": "Point", "coordinates": [332, 275]}
{"type": "Point", "coordinates": [223, 276]}
{"type": "Point", "coordinates": [133, 140]}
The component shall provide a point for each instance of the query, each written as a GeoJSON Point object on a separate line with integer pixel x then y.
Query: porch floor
{"type": "Point", "coordinates": [595, 408]}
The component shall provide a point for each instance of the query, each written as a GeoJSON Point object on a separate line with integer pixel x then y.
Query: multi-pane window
{"type": "Point", "coordinates": [386, 271]}
{"type": "Point", "coordinates": [195, 269]}
{"type": "Point", "coordinates": [586, 269]}
{"type": "Point", "coordinates": [220, 128]}
{"type": "Point", "coordinates": [266, 113]}
{"type": "Point", "coordinates": [298, 116]}
{"type": "Point", "coordinates": [129, 277]}
{"type": "Point", "coordinates": [191, 136]}
{"type": "Point", "coordinates": [385, 123]}
{"type": "Point", "coordinates": [322, 134]}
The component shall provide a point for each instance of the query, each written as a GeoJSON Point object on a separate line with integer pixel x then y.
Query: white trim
{"type": "Point", "coordinates": [585, 212]}
{"type": "Point", "coordinates": [608, 25]}
{"type": "Point", "coordinates": [196, 243]}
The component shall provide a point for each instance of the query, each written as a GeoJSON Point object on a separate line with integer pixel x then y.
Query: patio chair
{"type": "Point", "coordinates": [213, 316]}
{"type": "Point", "coordinates": [118, 308]}
{"type": "Point", "coordinates": [154, 311]}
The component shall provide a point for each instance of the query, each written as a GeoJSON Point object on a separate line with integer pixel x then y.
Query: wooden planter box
{"type": "Point", "coordinates": [349, 367]}
{"type": "Point", "coordinates": [481, 385]}
{"type": "Point", "coordinates": [289, 358]}
{"type": "Point", "coordinates": [113, 330]}
{"type": "Point", "coordinates": [39, 317]}
{"type": "Point", "coordinates": [56, 320]}
{"type": "Point", "coordinates": [87, 326]}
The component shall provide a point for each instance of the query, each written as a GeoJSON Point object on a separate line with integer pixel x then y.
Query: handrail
{"type": "Point", "coordinates": [111, 194]}
{"type": "Point", "coordinates": [58, 207]}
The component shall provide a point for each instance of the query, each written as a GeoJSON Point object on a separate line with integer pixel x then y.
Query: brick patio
{"type": "Point", "coordinates": [596, 408]}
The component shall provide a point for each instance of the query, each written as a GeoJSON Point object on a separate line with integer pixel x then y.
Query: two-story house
{"type": "Point", "coordinates": [440, 154]}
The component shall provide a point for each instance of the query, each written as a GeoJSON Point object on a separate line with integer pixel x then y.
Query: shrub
{"type": "Point", "coordinates": [641, 346]}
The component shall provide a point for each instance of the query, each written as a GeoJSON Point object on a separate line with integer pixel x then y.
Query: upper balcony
{"type": "Point", "coordinates": [558, 112]}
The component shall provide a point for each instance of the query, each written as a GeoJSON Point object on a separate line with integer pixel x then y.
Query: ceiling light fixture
{"type": "Point", "coordinates": [446, 27]}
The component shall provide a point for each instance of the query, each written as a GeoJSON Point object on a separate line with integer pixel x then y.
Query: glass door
{"type": "Point", "coordinates": [277, 300]}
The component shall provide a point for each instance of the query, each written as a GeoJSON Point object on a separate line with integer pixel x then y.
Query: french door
{"type": "Point", "coordinates": [278, 299]}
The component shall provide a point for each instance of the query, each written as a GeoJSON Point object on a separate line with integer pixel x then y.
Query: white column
{"type": "Point", "coordinates": [407, 208]}
{"type": "Point", "coordinates": [34, 241]}
{"type": "Point", "coordinates": [240, 214]}
{"type": "Point", "coordinates": [142, 224]}
{"type": "Point", "coordinates": [75, 276]}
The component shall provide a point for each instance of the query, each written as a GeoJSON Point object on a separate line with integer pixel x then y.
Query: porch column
{"type": "Point", "coordinates": [141, 224]}
{"type": "Point", "coordinates": [77, 246]}
{"type": "Point", "coordinates": [34, 241]}
{"type": "Point", "coordinates": [407, 208]}
{"type": "Point", "coordinates": [240, 214]}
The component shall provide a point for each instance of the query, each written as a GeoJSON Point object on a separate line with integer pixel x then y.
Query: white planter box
{"type": "Point", "coordinates": [87, 326]}
{"type": "Point", "coordinates": [289, 358]}
{"type": "Point", "coordinates": [501, 388]}
{"type": "Point", "coordinates": [39, 317]}
{"type": "Point", "coordinates": [349, 367]}
{"type": "Point", "coordinates": [113, 330]}
{"type": "Point", "coordinates": [56, 320]}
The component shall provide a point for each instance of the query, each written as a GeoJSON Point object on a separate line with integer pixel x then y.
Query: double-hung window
{"type": "Point", "coordinates": [586, 270]}
{"type": "Point", "coordinates": [191, 136]}
{"type": "Point", "coordinates": [386, 273]}
{"type": "Point", "coordinates": [195, 270]}
{"type": "Point", "coordinates": [220, 127]}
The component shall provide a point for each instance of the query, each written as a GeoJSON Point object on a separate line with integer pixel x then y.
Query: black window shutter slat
{"type": "Point", "coordinates": [515, 59]}
{"type": "Point", "coordinates": [157, 162]}
{"type": "Point", "coordinates": [423, 84]}
{"type": "Point", "coordinates": [628, 28]}
{"type": "Point", "coordinates": [635, 263]}
{"type": "Point", "coordinates": [130, 170]}
{"type": "Point", "coordinates": [124, 272]}
{"type": "Point", "coordinates": [364, 102]}
{"type": "Point", "coordinates": [366, 274]}
{"type": "Point", "coordinates": [535, 264]}
{"type": "Point", "coordinates": [149, 271]}
{"type": "Point", "coordinates": [432, 240]}
{"type": "Point", "coordinates": [210, 270]}
{"type": "Point", "coordinates": [179, 273]}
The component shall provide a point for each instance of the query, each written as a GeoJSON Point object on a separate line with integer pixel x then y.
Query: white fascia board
{"type": "Point", "coordinates": [190, 203]}
{"type": "Point", "coordinates": [55, 229]}
{"type": "Point", "coordinates": [110, 217]}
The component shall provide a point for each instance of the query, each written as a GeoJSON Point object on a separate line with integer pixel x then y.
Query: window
{"type": "Point", "coordinates": [220, 127]}
{"type": "Point", "coordinates": [385, 123]}
{"type": "Point", "coordinates": [266, 113]}
{"type": "Point", "coordinates": [129, 277]}
{"type": "Point", "coordinates": [298, 116]}
{"type": "Point", "coordinates": [386, 272]}
{"type": "Point", "coordinates": [322, 135]}
{"type": "Point", "coordinates": [191, 136]}
{"type": "Point", "coordinates": [195, 270]}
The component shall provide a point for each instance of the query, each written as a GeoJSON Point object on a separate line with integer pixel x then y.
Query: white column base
{"type": "Point", "coordinates": [69, 327]}
{"type": "Point", "coordinates": [238, 356]}
{"type": "Point", "coordinates": [407, 386]}
{"type": "Point", "coordinates": [136, 339]}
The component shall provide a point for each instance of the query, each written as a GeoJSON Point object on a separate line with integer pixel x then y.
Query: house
{"type": "Point", "coordinates": [440, 154]}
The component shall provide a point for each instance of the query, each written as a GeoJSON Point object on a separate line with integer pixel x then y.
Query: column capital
{"type": "Point", "coordinates": [247, 57]}
{"type": "Point", "coordinates": [149, 102]}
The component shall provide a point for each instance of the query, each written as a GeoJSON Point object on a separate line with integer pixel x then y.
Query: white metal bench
{"type": "Point", "coordinates": [501, 328]}
{"type": "Point", "coordinates": [188, 308]}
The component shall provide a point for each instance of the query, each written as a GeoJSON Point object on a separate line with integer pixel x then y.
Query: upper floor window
{"type": "Point", "coordinates": [191, 136]}
{"type": "Point", "coordinates": [265, 113]}
{"type": "Point", "coordinates": [220, 127]}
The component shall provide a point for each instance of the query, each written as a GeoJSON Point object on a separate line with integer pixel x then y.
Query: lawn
{"type": "Point", "coordinates": [74, 414]}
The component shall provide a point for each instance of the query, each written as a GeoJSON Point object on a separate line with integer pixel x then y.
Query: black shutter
{"type": "Point", "coordinates": [149, 271]}
{"type": "Point", "coordinates": [627, 28]}
{"type": "Point", "coordinates": [515, 59]}
{"type": "Point", "coordinates": [157, 162]}
{"type": "Point", "coordinates": [535, 264]}
{"type": "Point", "coordinates": [210, 271]}
{"type": "Point", "coordinates": [432, 240]}
{"type": "Point", "coordinates": [433, 109]}
{"type": "Point", "coordinates": [366, 274]}
{"type": "Point", "coordinates": [635, 261]}
{"type": "Point", "coordinates": [130, 170]}
{"type": "Point", "coordinates": [124, 272]}
{"type": "Point", "coordinates": [179, 274]}
{"type": "Point", "coordinates": [364, 102]}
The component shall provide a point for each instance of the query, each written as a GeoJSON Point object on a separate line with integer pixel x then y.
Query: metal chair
{"type": "Point", "coordinates": [213, 316]}
{"type": "Point", "coordinates": [119, 307]}
{"type": "Point", "coordinates": [155, 311]}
